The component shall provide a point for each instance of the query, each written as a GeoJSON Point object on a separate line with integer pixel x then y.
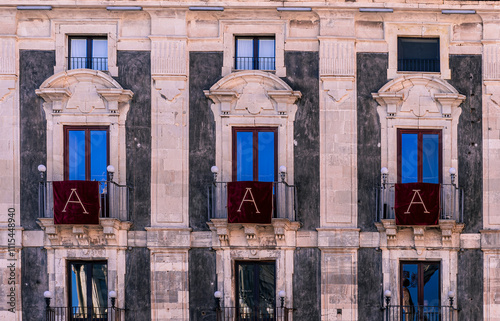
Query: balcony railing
{"type": "Point", "coordinates": [253, 314]}
{"type": "Point", "coordinates": [113, 200]}
{"type": "Point", "coordinates": [84, 314]}
{"type": "Point", "coordinates": [100, 63]}
{"type": "Point", "coordinates": [451, 202]}
{"type": "Point", "coordinates": [426, 65]}
{"type": "Point", "coordinates": [255, 63]}
{"type": "Point", "coordinates": [419, 313]}
{"type": "Point", "coordinates": [285, 200]}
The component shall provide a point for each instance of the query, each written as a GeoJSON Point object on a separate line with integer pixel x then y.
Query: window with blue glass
{"type": "Point", "coordinates": [88, 284]}
{"type": "Point", "coordinates": [255, 53]}
{"type": "Point", "coordinates": [419, 156]}
{"type": "Point", "coordinates": [86, 153]}
{"type": "Point", "coordinates": [88, 52]}
{"type": "Point", "coordinates": [420, 286]}
{"type": "Point", "coordinates": [254, 154]}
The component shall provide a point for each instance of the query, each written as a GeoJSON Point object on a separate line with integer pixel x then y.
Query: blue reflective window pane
{"type": "Point", "coordinates": [409, 158]}
{"type": "Point", "coordinates": [266, 156]}
{"type": "Point", "coordinates": [430, 158]}
{"type": "Point", "coordinates": [244, 156]}
{"type": "Point", "coordinates": [431, 286]}
{"type": "Point", "coordinates": [98, 155]}
{"type": "Point", "coordinates": [76, 154]}
{"type": "Point", "coordinates": [409, 295]}
{"type": "Point", "coordinates": [78, 287]}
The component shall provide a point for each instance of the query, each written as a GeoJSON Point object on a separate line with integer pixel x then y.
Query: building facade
{"type": "Point", "coordinates": [167, 108]}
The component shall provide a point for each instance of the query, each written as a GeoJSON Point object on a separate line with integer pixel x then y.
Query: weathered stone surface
{"type": "Point", "coordinates": [138, 285]}
{"type": "Point", "coordinates": [202, 282]}
{"type": "Point", "coordinates": [34, 281]}
{"type": "Point", "coordinates": [370, 289]}
{"type": "Point", "coordinates": [307, 284]}
{"type": "Point", "coordinates": [470, 285]}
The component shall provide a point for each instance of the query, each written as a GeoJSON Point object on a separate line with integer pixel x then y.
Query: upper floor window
{"type": "Point", "coordinates": [88, 290]}
{"type": "Point", "coordinates": [86, 153]}
{"type": "Point", "coordinates": [255, 53]}
{"type": "Point", "coordinates": [254, 154]}
{"type": "Point", "coordinates": [419, 156]}
{"type": "Point", "coordinates": [88, 52]}
{"type": "Point", "coordinates": [418, 54]}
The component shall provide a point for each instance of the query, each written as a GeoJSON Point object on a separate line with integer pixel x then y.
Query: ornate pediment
{"type": "Point", "coordinates": [83, 92]}
{"type": "Point", "coordinates": [254, 93]}
{"type": "Point", "coordinates": [419, 96]}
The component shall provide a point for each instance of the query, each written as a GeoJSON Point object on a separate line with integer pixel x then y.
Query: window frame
{"type": "Point", "coordinates": [87, 129]}
{"type": "Point", "coordinates": [89, 46]}
{"type": "Point", "coordinates": [256, 279]}
{"type": "Point", "coordinates": [255, 56]}
{"type": "Point", "coordinates": [401, 53]}
{"type": "Point", "coordinates": [420, 286]}
{"type": "Point", "coordinates": [90, 304]}
{"type": "Point", "coordinates": [254, 130]}
{"type": "Point", "coordinates": [420, 132]}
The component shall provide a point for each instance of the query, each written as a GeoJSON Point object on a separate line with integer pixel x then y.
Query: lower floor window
{"type": "Point", "coordinates": [256, 288]}
{"type": "Point", "coordinates": [88, 290]}
{"type": "Point", "coordinates": [420, 285]}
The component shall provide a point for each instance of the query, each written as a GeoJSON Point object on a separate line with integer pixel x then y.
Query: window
{"type": "Point", "coordinates": [255, 53]}
{"type": "Point", "coordinates": [418, 54]}
{"type": "Point", "coordinates": [420, 286]}
{"type": "Point", "coordinates": [88, 52]}
{"type": "Point", "coordinates": [256, 287]}
{"type": "Point", "coordinates": [88, 292]}
{"type": "Point", "coordinates": [419, 156]}
{"type": "Point", "coordinates": [86, 153]}
{"type": "Point", "coordinates": [254, 154]}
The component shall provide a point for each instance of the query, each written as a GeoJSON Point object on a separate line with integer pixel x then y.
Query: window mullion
{"type": "Point", "coordinates": [256, 53]}
{"type": "Point", "coordinates": [87, 154]}
{"type": "Point", "coordinates": [255, 155]}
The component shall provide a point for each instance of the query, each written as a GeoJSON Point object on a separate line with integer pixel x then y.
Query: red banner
{"type": "Point", "coordinates": [76, 202]}
{"type": "Point", "coordinates": [249, 202]}
{"type": "Point", "coordinates": [417, 204]}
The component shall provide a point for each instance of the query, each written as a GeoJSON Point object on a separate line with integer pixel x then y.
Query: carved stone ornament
{"type": "Point", "coordinates": [83, 92]}
{"type": "Point", "coordinates": [418, 96]}
{"type": "Point", "coordinates": [253, 92]}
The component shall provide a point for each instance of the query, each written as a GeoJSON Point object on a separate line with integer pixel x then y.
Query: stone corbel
{"type": "Point", "coordinates": [448, 102]}
{"type": "Point", "coordinates": [219, 226]}
{"type": "Point", "coordinates": [284, 99]}
{"type": "Point", "coordinates": [281, 226]}
{"type": "Point", "coordinates": [56, 96]}
{"type": "Point", "coordinates": [390, 100]}
{"type": "Point", "coordinates": [110, 227]}
{"type": "Point", "coordinates": [391, 230]}
{"type": "Point", "coordinates": [114, 96]}
{"type": "Point", "coordinates": [47, 224]}
{"type": "Point", "coordinates": [251, 231]}
{"type": "Point", "coordinates": [225, 98]}
{"type": "Point", "coordinates": [80, 231]}
{"type": "Point", "coordinates": [419, 236]}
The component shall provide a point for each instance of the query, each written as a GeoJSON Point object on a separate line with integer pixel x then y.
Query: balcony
{"type": "Point", "coordinates": [422, 65]}
{"type": "Point", "coordinates": [284, 200]}
{"type": "Point", "coordinates": [84, 314]}
{"type": "Point", "coordinates": [255, 63]}
{"type": "Point", "coordinates": [253, 314]}
{"type": "Point", "coordinates": [419, 313]}
{"type": "Point", "coordinates": [451, 202]}
{"type": "Point", "coordinates": [113, 200]}
{"type": "Point", "coordinates": [93, 63]}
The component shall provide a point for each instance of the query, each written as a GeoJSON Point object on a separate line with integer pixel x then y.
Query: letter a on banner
{"type": "Point", "coordinates": [249, 202]}
{"type": "Point", "coordinates": [417, 203]}
{"type": "Point", "coordinates": [73, 191]}
{"type": "Point", "coordinates": [252, 200]}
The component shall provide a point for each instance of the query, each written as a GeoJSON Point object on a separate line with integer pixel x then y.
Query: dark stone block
{"type": "Point", "coordinates": [302, 70]}
{"type": "Point", "coordinates": [466, 75]}
{"type": "Point", "coordinates": [370, 290]}
{"type": "Point", "coordinates": [470, 285]}
{"type": "Point", "coordinates": [204, 71]}
{"type": "Point", "coordinates": [371, 76]}
{"type": "Point", "coordinates": [202, 284]}
{"type": "Point", "coordinates": [307, 284]}
{"type": "Point", "coordinates": [34, 281]}
{"type": "Point", "coordinates": [135, 74]}
{"type": "Point", "coordinates": [138, 285]}
{"type": "Point", "coordinates": [35, 67]}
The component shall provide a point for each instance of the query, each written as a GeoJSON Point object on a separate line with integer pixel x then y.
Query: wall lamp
{"type": "Point", "coordinates": [215, 171]}
{"type": "Point", "coordinates": [206, 8]}
{"type": "Point", "coordinates": [42, 169]}
{"type": "Point", "coordinates": [457, 11]}
{"type": "Point", "coordinates": [34, 7]}
{"type": "Point", "coordinates": [117, 8]}
{"type": "Point", "coordinates": [390, 10]}
{"type": "Point", "coordinates": [304, 9]}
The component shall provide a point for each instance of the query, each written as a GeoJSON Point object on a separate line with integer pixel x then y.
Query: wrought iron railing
{"type": "Point", "coordinates": [419, 313]}
{"type": "Point", "coordinates": [255, 63]}
{"type": "Point", "coordinates": [113, 200]}
{"type": "Point", "coordinates": [451, 202]}
{"type": "Point", "coordinates": [84, 314]}
{"type": "Point", "coordinates": [95, 63]}
{"type": "Point", "coordinates": [284, 200]}
{"type": "Point", "coordinates": [253, 314]}
{"type": "Point", "coordinates": [426, 65]}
